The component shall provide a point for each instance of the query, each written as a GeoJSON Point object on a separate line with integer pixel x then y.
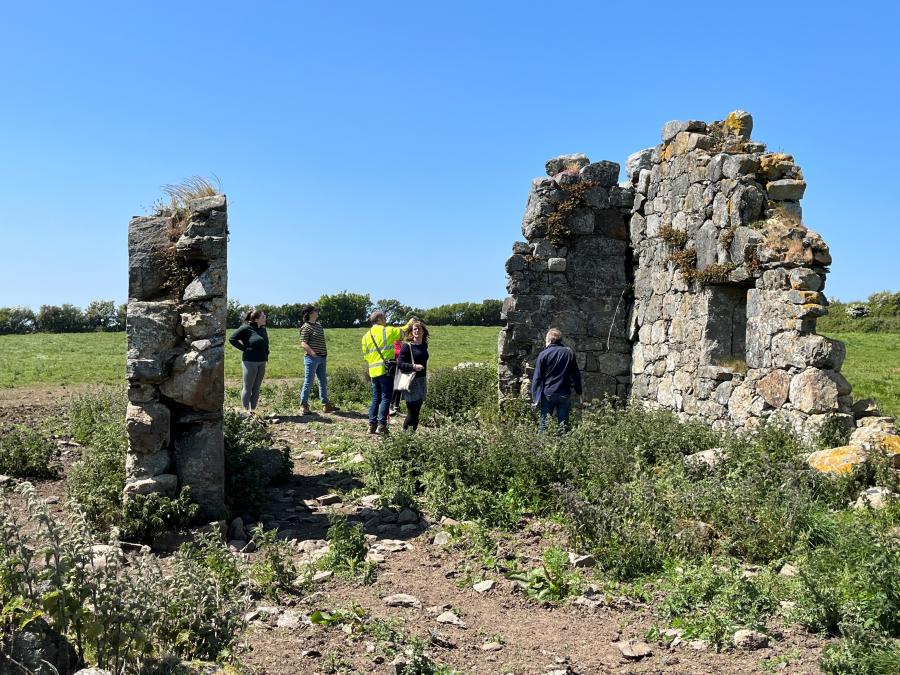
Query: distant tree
{"type": "Point", "coordinates": [16, 320]}
{"type": "Point", "coordinates": [884, 303]}
{"type": "Point", "coordinates": [235, 312]}
{"type": "Point", "coordinates": [100, 315]}
{"type": "Point", "coordinates": [394, 310]}
{"type": "Point", "coordinates": [65, 319]}
{"type": "Point", "coordinates": [486, 313]}
{"type": "Point", "coordinates": [344, 309]}
{"type": "Point", "coordinates": [121, 316]}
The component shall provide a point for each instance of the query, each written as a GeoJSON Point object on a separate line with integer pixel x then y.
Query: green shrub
{"type": "Point", "coordinates": [145, 516]}
{"type": "Point", "coordinates": [553, 580]}
{"type": "Point", "coordinates": [120, 616]}
{"type": "Point", "coordinates": [852, 577]}
{"type": "Point", "coordinates": [460, 391]}
{"type": "Point", "coordinates": [96, 482]}
{"type": "Point", "coordinates": [25, 453]}
{"type": "Point", "coordinates": [273, 572]}
{"type": "Point", "coordinates": [346, 546]}
{"type": "Point", "coordinates": [861, 653]}
{"type": "Point", "coordinates": [713, 598]}
{"type": "Point", "coordinates": [94, 413]}
{"type": "Point", "coordinates": [245, 483]}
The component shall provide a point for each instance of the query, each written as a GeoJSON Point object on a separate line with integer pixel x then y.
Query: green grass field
{"type": "Point", "coordinates": [872, 365]}
{"type": "Point", "coordinates": [72, 358]}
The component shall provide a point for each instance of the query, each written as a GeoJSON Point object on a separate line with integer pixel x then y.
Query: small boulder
{"type": "Point", "coordinates": [750, 639]}
{"type": "Point", "coordinates": [633, 649]}
{"type": "Point", "coordinates": [574, 162]}
{"type": "Point", "coordinates": [484, 586]}
{"type": "Point", "coordinates": [403, 600]}
{"type": "Point", "coordinates": [841, 460]}
{"type": "Point", "coordinates": [873, 498]}
{"type": "Point", "coordinates": [452, 619]}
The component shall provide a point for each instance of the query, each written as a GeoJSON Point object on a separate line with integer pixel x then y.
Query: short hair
{"type": "Point", "coordinates": [554, 335]}
{"type": "Point", "coordinates": [374, 316]}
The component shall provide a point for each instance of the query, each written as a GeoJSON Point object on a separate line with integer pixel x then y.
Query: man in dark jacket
{"type": "Point", "coordinates": [556, 374]}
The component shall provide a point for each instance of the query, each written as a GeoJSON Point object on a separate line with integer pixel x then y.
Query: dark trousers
{"type": "Point", "coordinates": [559, 403]}
{"type": "Point", "coordinates": [382, 387]}
{"type": "Point", "coordinates": [412, 416]}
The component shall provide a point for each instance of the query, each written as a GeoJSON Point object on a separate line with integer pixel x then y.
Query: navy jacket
{"type": "Point", "coordinates": [555, 373]}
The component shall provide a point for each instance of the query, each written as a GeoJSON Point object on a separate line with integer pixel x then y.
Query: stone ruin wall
{"type": "Point", "coordinates": [722, 283]}
{"type": "Point", "coordinates": [572, 273]}
{"type": "Point", "coordinates": [177, 281]}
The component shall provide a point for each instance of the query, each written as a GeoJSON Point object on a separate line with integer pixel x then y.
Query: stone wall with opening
{"type": "Point", "coordinates": [708, 308]}
{"type": "Point", "coordinates": [177, 282]}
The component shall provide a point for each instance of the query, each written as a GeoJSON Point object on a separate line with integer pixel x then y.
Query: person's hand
{"type": "Point", "coordinates": [418, 367]}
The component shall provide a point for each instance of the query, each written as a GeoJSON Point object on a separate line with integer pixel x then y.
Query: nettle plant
{"type": "Point", "coordinates": [119, 612]}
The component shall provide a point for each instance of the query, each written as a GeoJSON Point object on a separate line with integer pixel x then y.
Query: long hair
{"type": "Point", "coordinates": [424, 328]}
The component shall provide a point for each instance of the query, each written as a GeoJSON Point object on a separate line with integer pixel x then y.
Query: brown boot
{"type": "Point", "coordinates": [328, 408]}
{"type": "Point", "coordinates": [372, 428]}
{"type": "Point", "coordinates": [382, 429]}
{"type": "Point", "coordinates": [304, 409]}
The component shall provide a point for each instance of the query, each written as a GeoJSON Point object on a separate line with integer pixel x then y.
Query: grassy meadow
{"type": "Point", "coordinates": [872, 365]}
{"type": "Point", "coordinates": [73, 358]}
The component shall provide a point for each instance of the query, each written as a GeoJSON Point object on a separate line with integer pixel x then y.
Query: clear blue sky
{"type": "Point", "coordinates": [419, 123]}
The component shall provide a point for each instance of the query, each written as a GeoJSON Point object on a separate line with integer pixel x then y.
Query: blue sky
{"type": "Point", "coordinates": [415, 125]}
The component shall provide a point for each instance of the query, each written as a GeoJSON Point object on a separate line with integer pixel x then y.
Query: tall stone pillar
{"type": "Point", "coordinates": [177, 282]}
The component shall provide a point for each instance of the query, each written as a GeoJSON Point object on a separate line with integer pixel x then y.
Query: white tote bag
{"type": "Point", "coordinates": [402, 381]}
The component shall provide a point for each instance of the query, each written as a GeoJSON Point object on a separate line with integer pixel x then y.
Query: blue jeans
{"type": "Point", "coordinates": [382, 388]}
{"type": "Point", "coordinates": [314, 366]}
{"type": "Point", "coordinates": [562, 405]}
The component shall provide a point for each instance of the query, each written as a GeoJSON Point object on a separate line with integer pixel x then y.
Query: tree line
{"type": "Point", "coordinates": [339, 310]}
{"type": "Point", "coordinates": [346, 310]}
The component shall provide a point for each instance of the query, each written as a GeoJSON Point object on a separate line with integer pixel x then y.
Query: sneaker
{"type": "Point", "coordinates": [372, 428]}
{"type": "Point", "coordinates": [304, 409]}
{"type": "Point", "coordinates": [394, 410]}
{"type": "Point", "coordinates": [328, 408]}
{"type": "Point", "coordinates": [382, 429]}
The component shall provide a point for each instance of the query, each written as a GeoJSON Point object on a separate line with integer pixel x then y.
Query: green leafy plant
{"type": "Point", "coordinates": [553, 580]}
{"type": "Point", "coordinates": [347, 547]}
{"type": "Point", "coordinates": [25, 453]}
{"type": "Point", "coordinates": [245, 483]}
{"type": "Point", "coordinates": [273, 573]}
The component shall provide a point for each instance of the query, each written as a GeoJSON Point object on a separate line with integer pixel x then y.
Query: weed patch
{"type": "Point", "coordinates": [25, 453]}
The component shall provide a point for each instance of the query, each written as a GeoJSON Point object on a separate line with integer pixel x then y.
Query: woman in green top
{"type": "Point", "coordinates": [252, 339]}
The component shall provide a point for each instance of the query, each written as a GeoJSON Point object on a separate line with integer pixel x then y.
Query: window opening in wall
{"type": "Point", "coordinates": [725, 333]}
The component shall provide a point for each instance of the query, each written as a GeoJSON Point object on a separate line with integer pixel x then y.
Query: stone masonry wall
{"type": "Point", "coordinates": [572, 273]}
{"type": "Point", "coordinates": [177, 281]}
{"type": "Point", "coordinates": [726, 284]}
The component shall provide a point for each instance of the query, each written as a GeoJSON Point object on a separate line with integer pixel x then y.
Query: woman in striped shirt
{"type": "Point", "coordinates": [312, 339]}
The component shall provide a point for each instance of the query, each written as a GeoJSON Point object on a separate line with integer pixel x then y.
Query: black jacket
{"type": "Point", "coordinates": [555, 372]}
{"type": "Point", "coordinates": [253, 340]}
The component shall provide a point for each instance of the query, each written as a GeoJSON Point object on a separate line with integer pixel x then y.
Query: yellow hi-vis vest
{"type": "Point", "coordinates": [379, 338]}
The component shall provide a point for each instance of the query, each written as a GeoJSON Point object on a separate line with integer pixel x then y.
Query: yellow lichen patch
{"type": "Point", "coordinates": [736, 125]}
{"type": "Point", "coordinates": [774, 165]}
{"type": "Point", "coordinates": [666, 153]}
{"type": "Point", "coordinates": [841, 460]}
{"type": "Point", "coordinates": [891, 445]}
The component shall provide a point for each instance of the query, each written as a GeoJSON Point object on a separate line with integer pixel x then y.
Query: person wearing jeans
{"type": "Point", "coordinates": [312, 339]}
{"type": "Point", "coordinates": [377, 349]}
{"type": "Point", "coordinates": [556, 374]}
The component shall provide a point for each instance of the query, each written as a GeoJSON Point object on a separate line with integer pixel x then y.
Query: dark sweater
{"type": "Point", "coordinates": [555, 372]}
{"type": "Point", "coordinates": [419, 353]}
{"type": "Point", "coordinates": [253, 340]}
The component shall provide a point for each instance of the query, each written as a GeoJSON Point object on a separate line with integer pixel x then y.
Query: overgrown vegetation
{"type": "Point", "coordinates": [557, 223]}
{"type": "Point", "coordinates": [25, 453]}
{"type": "Point", "coordinates": [121, 615]}
{"type": "Point", "coordinates": [96, 481]}
{"type": "Point", "coordinates": [880, 313]}
{"type": "Point", "coordinates": [619, 485]}
{"type": "Point", "coordinates": [246, 438]}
